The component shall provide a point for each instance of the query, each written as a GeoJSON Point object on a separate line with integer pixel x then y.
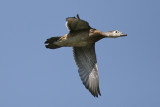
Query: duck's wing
{"type": "Point", "coordinates": [85, 58]}
{"type": "Point", "coordinates": [75, 24]}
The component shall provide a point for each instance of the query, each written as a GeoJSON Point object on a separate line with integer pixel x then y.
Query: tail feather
{"type": "Point", "coordinates": [50, 43]}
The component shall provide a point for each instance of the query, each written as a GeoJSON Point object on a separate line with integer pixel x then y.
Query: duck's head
{"type": "Point", "coordinates": [96, 35]}
{"type": "Point", "coordinates": [114, 34]}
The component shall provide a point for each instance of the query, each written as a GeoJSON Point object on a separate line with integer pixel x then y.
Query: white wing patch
{"type": "Point", "coordinates": [67, 26]}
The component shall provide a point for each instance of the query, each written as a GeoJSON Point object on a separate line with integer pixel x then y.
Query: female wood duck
{"type": "Point", "coordinates": [83, 38]}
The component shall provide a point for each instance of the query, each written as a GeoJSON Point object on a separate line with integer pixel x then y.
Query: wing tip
{"type": "Point", "coordinates": [95, 93]}
{"type": "Point", "coordinates": [78, 16]}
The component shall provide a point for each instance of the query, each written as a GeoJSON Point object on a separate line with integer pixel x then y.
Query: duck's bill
{"type": "Point", "coordinates": [123, 34]}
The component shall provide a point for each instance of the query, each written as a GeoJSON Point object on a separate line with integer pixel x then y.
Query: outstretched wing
{"type": "Point", "coordinates": [85, 58]}
{"type": "Point", "coordinates": [75, 24]}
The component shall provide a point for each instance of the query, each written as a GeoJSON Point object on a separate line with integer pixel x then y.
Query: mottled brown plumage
{"type": "Point", "coordinates": [83, 38]}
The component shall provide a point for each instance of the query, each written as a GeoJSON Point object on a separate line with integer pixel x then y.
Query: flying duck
{"type": "Point", "coordinates": [83, 38]}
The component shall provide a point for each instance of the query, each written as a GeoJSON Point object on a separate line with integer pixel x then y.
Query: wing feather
{"type": "Point", "coordinates": [85, 58]}
{"type": "Point", "coordinates": [75, 24]}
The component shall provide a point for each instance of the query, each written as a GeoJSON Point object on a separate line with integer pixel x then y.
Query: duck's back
{"type": "Point", "coordinates": [75, 39]}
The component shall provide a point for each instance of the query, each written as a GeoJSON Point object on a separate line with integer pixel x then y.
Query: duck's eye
{"type": "Point", "coordinates": [116, 31]}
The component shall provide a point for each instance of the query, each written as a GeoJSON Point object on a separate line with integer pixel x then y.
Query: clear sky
{"type": "Point", "coordinates": [33, 76]}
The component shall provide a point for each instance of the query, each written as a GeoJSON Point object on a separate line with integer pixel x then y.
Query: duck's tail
{"type": "Point", "coordinates": [50, 43]}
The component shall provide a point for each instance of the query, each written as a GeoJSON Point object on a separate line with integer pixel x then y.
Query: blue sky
{"type": "Point", "coordinates": [33, 76]}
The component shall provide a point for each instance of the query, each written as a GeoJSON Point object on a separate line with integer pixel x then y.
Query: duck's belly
{"type": "Point", "coordinates": [73, 41]}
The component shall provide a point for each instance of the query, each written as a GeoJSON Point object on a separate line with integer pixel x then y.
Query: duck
{"type": "Point", "coordinates": [82, 39]}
